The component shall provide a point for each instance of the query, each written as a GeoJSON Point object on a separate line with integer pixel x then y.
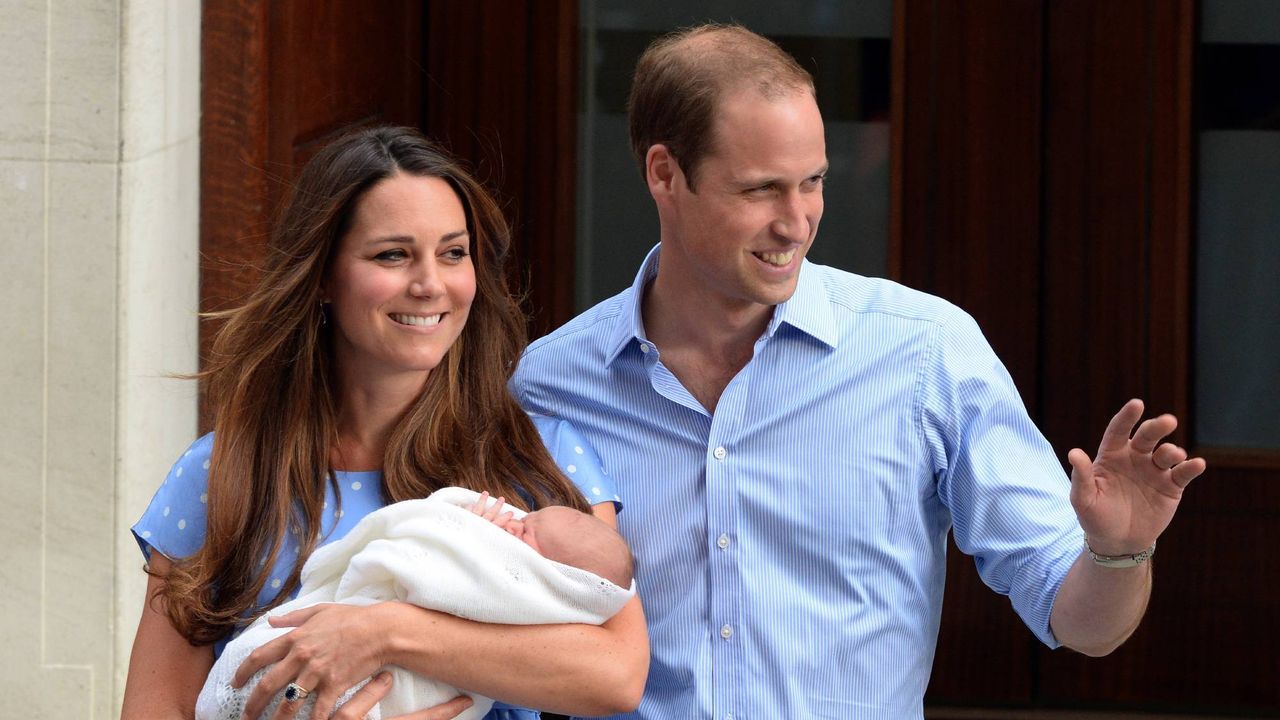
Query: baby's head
{"type": "Point", "coordinates": [578, 539]}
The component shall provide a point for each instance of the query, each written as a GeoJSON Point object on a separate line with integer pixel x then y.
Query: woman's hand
{"type": "Point", "coordinates": [331, 649]}
{"type": "Point", "coordinates": [377, 688]}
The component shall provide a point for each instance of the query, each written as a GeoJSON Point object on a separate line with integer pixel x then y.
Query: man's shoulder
{"type": "Point", "coordinates": [593, 326]}
{"type": "Point", "coordinates": [852, 293]}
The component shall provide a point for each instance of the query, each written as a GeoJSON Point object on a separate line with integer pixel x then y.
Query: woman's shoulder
{"type": "Point", "coordinates": [174, 522]}
{"type": "Point", "coordinates": [577, 459]}
{"type": "Point", "coordinates": [562, 439]}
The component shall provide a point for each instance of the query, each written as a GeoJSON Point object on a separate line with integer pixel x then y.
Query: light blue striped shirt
{"type": "Point", "coordinates": [791, 547]}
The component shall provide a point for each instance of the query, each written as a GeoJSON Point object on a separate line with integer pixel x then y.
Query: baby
{"type": "Point", "coordinates": [566, 536]}
{"type": "Point", "coordinates": [568, 566]}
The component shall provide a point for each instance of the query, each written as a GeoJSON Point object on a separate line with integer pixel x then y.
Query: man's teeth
{"type": "Point", "coordinates": [419, 320]}
{"type": "Point", "coordinates": [779, 259]}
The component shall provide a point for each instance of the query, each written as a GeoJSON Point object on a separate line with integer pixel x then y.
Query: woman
{"type": "Point", "coordinates": [369, 366]}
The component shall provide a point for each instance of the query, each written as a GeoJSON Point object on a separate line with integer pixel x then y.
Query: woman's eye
{"type": "Point", "coordinates": [391, 255]}
{"type": "Point", "coordinates": [456, 253]}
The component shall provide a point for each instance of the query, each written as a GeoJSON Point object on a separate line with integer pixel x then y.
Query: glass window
{"type": "Point", "coordinates": [844, 45]}
{"type": "Point", "coordinates": [1237, 352]}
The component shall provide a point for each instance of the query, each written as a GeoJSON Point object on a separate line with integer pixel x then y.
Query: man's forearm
{"type": "Point", "coordinates": [576, 669]}
{"type": "Point", "coordinates": [1098, 607]}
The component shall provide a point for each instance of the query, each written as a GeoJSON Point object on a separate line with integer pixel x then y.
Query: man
{"type": "Point", "coordinates": [792, 443]}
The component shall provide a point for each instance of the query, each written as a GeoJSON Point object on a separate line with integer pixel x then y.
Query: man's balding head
{"type": "Point", "coordinates": [682, 77]}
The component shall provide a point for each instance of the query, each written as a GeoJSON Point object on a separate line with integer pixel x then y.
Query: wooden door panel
{"type": "Point", "coordinates": [503, 95]}
{"type": "Point", "coordinates": [970, 233]}
{"type": "Point", "coordinates": [278, 80]}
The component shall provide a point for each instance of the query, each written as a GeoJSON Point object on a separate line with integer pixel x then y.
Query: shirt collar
{"type": "Point", "coordinates": [807, 310]}
{"type": "Point", "coordinates": [630, 325]}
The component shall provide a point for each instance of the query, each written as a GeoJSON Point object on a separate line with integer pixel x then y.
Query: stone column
{"type": "Point", "coordinates": [99, 132]}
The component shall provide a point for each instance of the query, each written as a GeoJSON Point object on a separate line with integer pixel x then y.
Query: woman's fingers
{"type": "Point", "coordinates": [261, 657]}
{"type": "Point", "coordinates": [297, 617]}
{"type": "Point", "coordinates": [447, 711]}
{"type": "Point", "coordinates": [272, 682]}
{"type": "Point", "coordinates": [364, 699]}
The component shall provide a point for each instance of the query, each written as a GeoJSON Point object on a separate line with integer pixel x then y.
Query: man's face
{"type": "Point", "coordinates": [740, 238]}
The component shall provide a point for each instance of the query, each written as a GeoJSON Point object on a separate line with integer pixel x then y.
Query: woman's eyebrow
{"type": "Point", "coordinates": [396, 239]}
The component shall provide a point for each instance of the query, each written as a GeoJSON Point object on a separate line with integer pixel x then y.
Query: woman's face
{"type": "Point", "coordinates": [401, 282]}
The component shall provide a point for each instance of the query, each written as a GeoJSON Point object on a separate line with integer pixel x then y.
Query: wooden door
{"type": "Point", "coordinates": [494, 81]}
{"type": "Point", "coordinates": [1046, 154]}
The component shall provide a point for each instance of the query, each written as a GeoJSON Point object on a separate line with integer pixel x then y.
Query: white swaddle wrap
{"type": "Point", "coordinates": [437, 554]}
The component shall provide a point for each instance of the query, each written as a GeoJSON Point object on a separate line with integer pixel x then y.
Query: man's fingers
{"type": "Point", "coordinates": [1151, 432]}
{"type": "Point", "coordinates": [365, 698]}
{"type": "Point", "coordinates": [1082, 485]}
{"type": "Point", "coordinates": [1121, 425]}
{"type": "Point", "coordinates": [1184, 472]}
{"type": "Point", "coordinates": [1168, 455]}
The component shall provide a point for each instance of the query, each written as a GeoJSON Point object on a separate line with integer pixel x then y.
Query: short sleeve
{"type": "Point", "coordinates": [577, 460]}
{"type": "Point", "coordinates": [174, 522]}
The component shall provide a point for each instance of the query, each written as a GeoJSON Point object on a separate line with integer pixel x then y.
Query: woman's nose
{"type": "Point", "coordinates": [426, 282]}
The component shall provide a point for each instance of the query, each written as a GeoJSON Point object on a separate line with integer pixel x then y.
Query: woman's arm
{"type": "Point", "coordinates": [575, 669]}
{"type": "Point", "coordinates": [570, 669]}
{"type": "Point", "coordinates": [165, 671]}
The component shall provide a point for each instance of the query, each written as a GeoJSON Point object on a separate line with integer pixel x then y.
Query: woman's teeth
{"type": "Point", "coordinates": [778, 259]}
{"type": "Point", "coordinates": [419, 320]}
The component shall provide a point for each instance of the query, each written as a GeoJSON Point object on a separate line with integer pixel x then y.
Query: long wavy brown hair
{"type": "Point", "coordinates": [270, 383]}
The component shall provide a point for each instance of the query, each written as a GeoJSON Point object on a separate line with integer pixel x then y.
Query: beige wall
{"type": "Point", "coordinates": [99, 118]}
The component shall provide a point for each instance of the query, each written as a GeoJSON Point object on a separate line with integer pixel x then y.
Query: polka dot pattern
{"type": "Point", "coordinates": [174, 523]}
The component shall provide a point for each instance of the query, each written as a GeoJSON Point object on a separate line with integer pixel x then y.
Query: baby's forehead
{"type": "Point", "coordinates": [555, 514]}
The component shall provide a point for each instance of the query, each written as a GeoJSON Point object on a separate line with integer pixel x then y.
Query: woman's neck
{"type": "Point", "coordinates": [367, 413]}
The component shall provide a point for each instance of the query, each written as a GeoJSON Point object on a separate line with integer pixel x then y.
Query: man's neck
{"type": "Point", "coordinates": [704, 340]}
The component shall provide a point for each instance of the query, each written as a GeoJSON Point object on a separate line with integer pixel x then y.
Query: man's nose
{"type": "Point", "coordinates": [792, 222]}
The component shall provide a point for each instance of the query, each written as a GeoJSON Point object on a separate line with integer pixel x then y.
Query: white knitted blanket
{"type": "Point", "coordinates": [436, 554]}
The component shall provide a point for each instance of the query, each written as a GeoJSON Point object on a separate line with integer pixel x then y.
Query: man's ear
{"type": "Point", "coordinates": [661, 170]}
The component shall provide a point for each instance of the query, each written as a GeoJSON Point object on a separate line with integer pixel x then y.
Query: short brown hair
{"type": "Point", "coordinates": [681, 77]}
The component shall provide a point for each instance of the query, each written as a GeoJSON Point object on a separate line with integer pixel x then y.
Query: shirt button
{"type": "Point", "coordinates": [644, 347]}
{"type": "Point", "coordinates": [722, 542]}
{"type": "Point", "coordinates": [720, 453]}
{"type": "Point", "coordinates": [726, 632]}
